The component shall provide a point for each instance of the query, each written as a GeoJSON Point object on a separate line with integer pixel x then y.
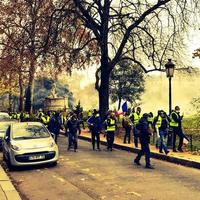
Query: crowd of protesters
{"type": "Point", "coordinates": [135, 124]}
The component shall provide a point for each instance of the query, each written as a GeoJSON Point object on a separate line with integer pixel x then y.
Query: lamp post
{"type": "Point", "coordinates": [169, 67]}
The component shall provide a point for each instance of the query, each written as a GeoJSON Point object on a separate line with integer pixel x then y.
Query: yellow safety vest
{"type": "Point", "coordinates": [172, 122]}
{"type": "Point", "coordinates": [150, 119]}
{"type": "Point", "coordinates": [47, 119]}
{"type": "Point", "coordinates": [111, 126]}
{"type": "Point", "coordinates": [136, 117]}
{"type": "Point", "coordinates": [18, 115]}
{"type": "Point", "coordinates": [63, 119]}
{"type": "Point", "coordinates": [43, 119]}
{"type": "Point", "coordinates": [159, 122]}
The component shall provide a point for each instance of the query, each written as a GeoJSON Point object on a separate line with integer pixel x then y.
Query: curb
{"type": "Point", "coordinates": [179, 161]}
{"type": "Point", "coordinates": [7, 189]}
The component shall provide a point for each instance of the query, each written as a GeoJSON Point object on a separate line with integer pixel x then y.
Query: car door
{"type": "Point", "coordinates": [6, 142]}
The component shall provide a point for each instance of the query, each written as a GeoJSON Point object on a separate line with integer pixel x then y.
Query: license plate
{"type": "Point", "coordinates": [37, 157]}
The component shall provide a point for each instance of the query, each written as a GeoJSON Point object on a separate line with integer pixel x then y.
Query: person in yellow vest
{"type": "Point", "coordinates": [110, 127]}
{"type": "Point", "coordinates": [26, 117]}
{"type": "Point", "coordinates": [135, 117]}
{"type": "Point", "coordinates": [18, 116]}
{"type": "Point", "coordinates": [89, 114]}
{"type": "Point", "coordinates": [162, 127]}
{"type": "Point", "coordinates": [48, 117]}
{"type": "Point", "coordinates": [43, 119]}
{"type": "Point", "coordinates": [176, 125]}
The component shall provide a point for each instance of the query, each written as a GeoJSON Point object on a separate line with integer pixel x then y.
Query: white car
{"type": "Point", "coordinates": [4, 116]}
{"type": "Point", "coordinates": [29, 143]}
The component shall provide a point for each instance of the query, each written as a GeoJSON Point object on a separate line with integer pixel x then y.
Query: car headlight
{"type": "Point", "coordinates": [15, 147]}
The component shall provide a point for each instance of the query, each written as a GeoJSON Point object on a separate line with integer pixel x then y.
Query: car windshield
{"type": "Point", "coordinates": [27, 131]}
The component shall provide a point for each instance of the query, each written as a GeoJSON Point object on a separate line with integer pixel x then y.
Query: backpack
{"type": "Point", "coordinates": [138, 130]}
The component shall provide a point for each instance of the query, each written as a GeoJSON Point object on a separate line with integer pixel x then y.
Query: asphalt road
{"type": "Point", "coordinates": [88, 174]}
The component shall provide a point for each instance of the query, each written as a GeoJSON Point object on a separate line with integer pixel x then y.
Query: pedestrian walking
{"type": "Point", "coordinates": [71, 128]}
{"type": "Point", "coordinates": [110, 127]}
{"type": "Point", "coordinates": [176, 125]}
{"type": "Point", "coordinates": [163, 122]}
{"type": "Point", "coordinates": [127, 125]}
{"type": "Point", "coordinates": [54, 125]}
{"type": "Point", "coordinates": [144, 135]}
{"type": "Point", "coordinates": [135, 117]}
{"type": "Point", "coordinates": [95, 126]}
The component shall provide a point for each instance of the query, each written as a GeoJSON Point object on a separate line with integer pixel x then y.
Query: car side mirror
{"type": "Point", "coordinates": [7, 139]}
{"type": "Point", "coordinates": [53, 135]}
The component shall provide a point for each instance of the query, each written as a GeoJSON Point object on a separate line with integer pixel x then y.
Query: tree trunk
{"type": "Point", "coordinates": [30, 88]}
{"type": "Point", "coordinates": [10, 100]}
{"type": "Point", "coordinates": [21, 93]}
{"type": "Point", "coordinates": [104, 94]}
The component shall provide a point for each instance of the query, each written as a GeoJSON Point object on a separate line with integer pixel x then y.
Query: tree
{"type": "Point", "coordinates": [146, 32]}
{"type": "Point", "coordinates": [34, 26]}
{"type": "Point", "coordinates": [126, 83]}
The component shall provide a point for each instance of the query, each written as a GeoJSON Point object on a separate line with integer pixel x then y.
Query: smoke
{"type": "Point", "coordinates": [83, 89]}
{"type": "Point", "coordinates": [185, 86]}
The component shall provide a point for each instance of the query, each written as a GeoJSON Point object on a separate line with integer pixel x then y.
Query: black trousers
{"type": "Point", "coordinates": [95, 137]}
{"type": "Point", "coordinates": [145, 150]}
{"type": "Point", "coordinates": [127, 134]}
{"type": "Point", "coordinates": [135, 135]}
{"type": "Point", "coordinates": [110, 139]}
{"type": "Point", "coordinates": [177, 131]}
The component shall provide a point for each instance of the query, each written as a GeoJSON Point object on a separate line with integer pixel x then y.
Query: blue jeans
{"type": "Point", "coordinates": [72, 139]}
{"type": "Point", "coordinates": [163, 137]}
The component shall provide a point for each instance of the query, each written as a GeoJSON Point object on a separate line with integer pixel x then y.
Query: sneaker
{"type": "Point", "coordinates": [160, 151]}
{"type": "Point", "coordinates": [174, 150]}
{"type": "Point", "coordinates": [149, 167]}
{"type": "Point", "coordinates": [137, 162]}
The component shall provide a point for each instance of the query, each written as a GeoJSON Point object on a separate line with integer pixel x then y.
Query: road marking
{"type": "Point", "coordinates": [59, 178]}
{"type": "Point", "coordinates": [86, 169]}
{"type": "Point", "coordinates": [135, 193]}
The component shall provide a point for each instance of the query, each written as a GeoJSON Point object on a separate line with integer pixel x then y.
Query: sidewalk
{"type": "Point", "coordinates": [184, 158]}
{"type": "Point", "coordinates": [7, 190]}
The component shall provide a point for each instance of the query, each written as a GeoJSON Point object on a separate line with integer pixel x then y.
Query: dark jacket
{"type": "Point", "coordinates": [143, 127]}
{"type": "Point", "coordinates": [95, 123]}
{"type": "Point", "coordinates": [54, 125]}
{"type": "Point", "coordinates": [72, 125]}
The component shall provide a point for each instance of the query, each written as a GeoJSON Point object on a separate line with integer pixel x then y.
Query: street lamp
{"type": "Point", "coordinates": [169, 67]}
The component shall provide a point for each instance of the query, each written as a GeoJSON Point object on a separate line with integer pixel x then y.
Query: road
{"type": "Point", "coordinates": [87, 174]}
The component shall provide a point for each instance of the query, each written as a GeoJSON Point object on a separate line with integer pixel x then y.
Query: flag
{"type": "Point", "coordinates": [124, 107]}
